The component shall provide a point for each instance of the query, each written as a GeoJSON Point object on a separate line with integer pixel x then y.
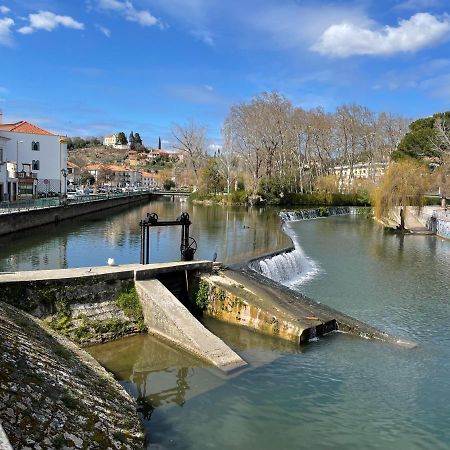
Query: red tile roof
{"type": "Point", "coordinates": [24, 127]}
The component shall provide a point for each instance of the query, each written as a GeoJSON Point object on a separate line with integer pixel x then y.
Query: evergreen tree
{"type": "Point", "coordinates": [159, 143]}
{"type": "Point", "coordinates": [137, 139]}
{"type": "Point", "coordinates": [132, 140]}
{"type": "Point", "coordinates": [122, 139]}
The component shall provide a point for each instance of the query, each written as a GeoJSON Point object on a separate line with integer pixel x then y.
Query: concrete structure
{"type": "Point", "coordinates": [168, 319]}
{"type": "Point", "coordinates": [160, 153]}
{"type": "Point", "coordinates": [44, 152]}
{"type": "Point", "coordinates": [93, 293]}
{"type": "Point", "coordinates": [361, 171]}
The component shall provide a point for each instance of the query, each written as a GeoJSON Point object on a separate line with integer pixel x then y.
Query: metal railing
{"type": "Point", "coordinates": [8, 207]}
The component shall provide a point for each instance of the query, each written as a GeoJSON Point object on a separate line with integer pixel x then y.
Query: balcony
{"type": "Point", "coordinates": [23, 174]}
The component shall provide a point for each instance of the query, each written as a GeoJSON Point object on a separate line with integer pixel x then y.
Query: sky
{"type": "Point", "coordinates": [94, 67]}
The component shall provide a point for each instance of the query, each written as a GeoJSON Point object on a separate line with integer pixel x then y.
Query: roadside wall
{"type": "Point", "coordinates": [18, 221]}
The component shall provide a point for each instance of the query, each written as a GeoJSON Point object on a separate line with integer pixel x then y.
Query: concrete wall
{"type": "Point", "coordinates": [88, 305]}
{"type": "Point", "coordinates": [10, 223]}
{"type": "Point", "coordinates": [167, 318]}
{"type": "Point", "coordinates": [230, 302]}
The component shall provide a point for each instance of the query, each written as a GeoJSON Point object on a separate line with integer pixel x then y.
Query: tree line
{"type": "Point", "coordinates": [268, 144]}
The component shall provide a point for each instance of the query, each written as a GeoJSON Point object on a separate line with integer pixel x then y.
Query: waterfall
{"type": "Point", "coordinates": [293, 266]}
{"type": "Point", "coordinates": [288, 268]}
{"type": "Point", "coordinates": [305, 214]}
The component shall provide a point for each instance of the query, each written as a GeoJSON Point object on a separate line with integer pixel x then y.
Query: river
{"type": "Point", "coordinates": [339, 392]}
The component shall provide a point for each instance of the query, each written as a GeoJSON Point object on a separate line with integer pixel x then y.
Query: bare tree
{"type": "Point", "coordinates": [190, 140]}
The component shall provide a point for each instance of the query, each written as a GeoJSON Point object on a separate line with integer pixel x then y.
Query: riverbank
{"type": "Point", "coordinates": [314, 199]}
{"type": "Point", "coordinates": [55, 395]}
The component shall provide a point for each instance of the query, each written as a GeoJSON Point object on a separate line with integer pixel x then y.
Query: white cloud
{"type": "Point", "coordinates": [346, 39]}
{"type": "Point", "coordinates": [293, 25]}
{"type": "Point", "coordinates": [4, 9]}
{"type": "Point", "coordinates": [48, 21]}
{"type": "Point", "coordinates": [104, 30]}
{"type": "Point", "coordinates": [127, 9]}
{"type": "Point", "coordinates": [5, 31]}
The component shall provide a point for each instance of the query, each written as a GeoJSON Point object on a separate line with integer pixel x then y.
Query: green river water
{"type": "Point", "coordinates": [339, 392]}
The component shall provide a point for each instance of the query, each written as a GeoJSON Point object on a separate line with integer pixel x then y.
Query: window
{"type": "Point", "coordinates": [1, 159]}
{"type": "Point", "coordinates": [35, 164]}
{"type": "Point", "coordinates": [35, 146]}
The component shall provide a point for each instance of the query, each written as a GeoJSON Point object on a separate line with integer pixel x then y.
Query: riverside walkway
{"type": "Point", "coordinates": [22, 215]}
{"type": "Point", "coordinates": [52, 202]}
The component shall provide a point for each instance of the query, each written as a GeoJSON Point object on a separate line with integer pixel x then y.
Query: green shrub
{"type": "Point", "coordinates": [202, 295]}
{"type": "Point", "coordinates": [128, 302]}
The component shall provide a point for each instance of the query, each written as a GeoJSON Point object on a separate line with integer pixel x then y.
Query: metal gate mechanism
{"type": "Point", "coordinates": [188, 245]}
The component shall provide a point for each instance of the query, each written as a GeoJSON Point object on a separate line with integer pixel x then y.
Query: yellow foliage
{"type": "Point", "coordinates": [404, 184]}
{"type": "Point", "coordinates": [327, 183]}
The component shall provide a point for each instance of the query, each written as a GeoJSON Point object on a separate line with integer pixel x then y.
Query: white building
{"type": "Point", "coordinates": [347, 174]}
{"type": "Point", "coordinates": [110, 141]}
{"type": "Point", "coordinates": [113, 175]}
{"type": "Point", "coordinates": [149, 180]}
{"type": "Point", "coordinates": [37, 154]}
{"type": "Point", "coordinates": [3, 170]}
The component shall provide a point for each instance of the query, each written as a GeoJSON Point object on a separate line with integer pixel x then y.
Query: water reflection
{"type": "Point", "coordinates": [234, 233]}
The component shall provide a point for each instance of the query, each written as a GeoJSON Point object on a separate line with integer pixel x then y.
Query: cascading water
{"type": "Point", "coordinates": [293, 266]}
{"type": "Point", "coordinates": [288, 268]}
{"type": "Point", "coordinates": [305, 214]}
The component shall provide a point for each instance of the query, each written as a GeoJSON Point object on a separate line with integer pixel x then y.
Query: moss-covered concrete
{"type": "Point", "coordinates": [224, 299]}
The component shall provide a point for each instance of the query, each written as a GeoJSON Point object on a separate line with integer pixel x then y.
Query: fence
{"type": "Point", "coordinates": [42, 203]}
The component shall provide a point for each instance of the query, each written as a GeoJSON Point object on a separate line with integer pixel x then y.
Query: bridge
{"type": "Point", "coordinates": [172, 193]}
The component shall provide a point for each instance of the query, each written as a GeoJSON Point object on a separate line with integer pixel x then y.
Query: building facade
{"type": "Point", "coordinates": [37, 153]}
{"type": "Point", "coordinates": [347, 175]}
{"type": "Point", "coordinates": [110, 141]}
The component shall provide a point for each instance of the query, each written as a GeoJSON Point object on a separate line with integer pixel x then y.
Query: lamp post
{"type": "Point", "coordinates": [17, 155]}
{"type": "Point", "coordinates": [17, 168]}
{"type": "Point", "coordinates": [64, 174]}
{"type": "Point", "coordinates": [62, 140]}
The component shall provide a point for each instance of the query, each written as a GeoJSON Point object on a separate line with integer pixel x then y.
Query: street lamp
{"type": "Point", "coordinates": [64, 174]}
{"type": "Point", "coordinates": [17, 155]}
{"type": "Point", "coordinates": [17, 168]}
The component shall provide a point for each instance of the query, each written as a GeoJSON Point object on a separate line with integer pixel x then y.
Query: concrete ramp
{"type": "Point", "coordinates": [167, 318]}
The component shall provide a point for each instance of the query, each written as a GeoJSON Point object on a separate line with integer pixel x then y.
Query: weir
{"type": "Point", "coordinates": [286, 267]}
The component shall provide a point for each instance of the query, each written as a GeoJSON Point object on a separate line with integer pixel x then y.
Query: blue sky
{"type": "Point", "coordinates": [97, 66]}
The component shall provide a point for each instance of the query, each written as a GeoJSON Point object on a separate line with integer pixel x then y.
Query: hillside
{"type": "Point", "coordinates": [90, 155]}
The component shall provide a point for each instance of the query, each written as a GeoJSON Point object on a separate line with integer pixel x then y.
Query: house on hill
{"type": "Point", "coordinates": [113, 141]}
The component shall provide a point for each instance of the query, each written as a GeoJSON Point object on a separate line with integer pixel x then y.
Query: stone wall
{"type": "Point", "coordinates": [55, 395]}
{"type": "Point", "coordinates": [88, 309]}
